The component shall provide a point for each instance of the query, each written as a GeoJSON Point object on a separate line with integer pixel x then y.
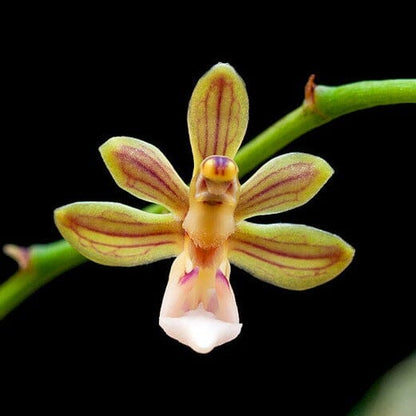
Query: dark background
{"type": "Point", "coordinates": [70, 84]}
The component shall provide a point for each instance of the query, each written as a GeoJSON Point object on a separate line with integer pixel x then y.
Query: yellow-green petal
{"type": "Point", "coordinates": [117, 235]}
{"type": "Point", "coordinates": [291, 256]}
{"type": "Point", "coordinates": [283, 183]}
{"type": "Point", "coordinates": [217, 114]}
{"type": "Point", "coordinates": [142, 169]}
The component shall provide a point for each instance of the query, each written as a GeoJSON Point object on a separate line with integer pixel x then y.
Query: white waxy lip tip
{"type": "Point", "coordinates": [200, 329]}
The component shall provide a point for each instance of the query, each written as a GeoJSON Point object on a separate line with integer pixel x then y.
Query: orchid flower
{"type": "Point", "coordinates": [206, 227]}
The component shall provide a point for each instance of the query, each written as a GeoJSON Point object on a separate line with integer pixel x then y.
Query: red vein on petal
{"type": "Point", "coordinates": [205, 138]}
{"type": "Point", "coordinates": [217, 90]}
{"type": "Point", "coordinates": [127, 235]}
{"type": "Point", "coordinates": [113, 253]}
{"type": "Point", "coordinates": [266, 194]}
{"type": "Point", "coordinates": [96, 243]}
{"type": "Point", "coordinates": [225, 86]}
{"type": "Point", "coordinates": [286, 254]}
{"type": "Point", "coordinates": [280, 265]}
{"type": "Point", "coordinates": [220, 83]}
{"type": "Point", "coordinates": [228, 139]}
{"type": "Point", "coordinates": [121, 246]}
{"type": "Point", "coordinates": [143, 163]}
{"type": "Point", "coordinates": [333, 257]}
{"type": "Point", "coordinates": [78, 222]}
{"type": "Point", "coordinates": [227, 131]}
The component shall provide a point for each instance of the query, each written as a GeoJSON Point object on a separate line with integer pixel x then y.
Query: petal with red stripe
{"type": "Point", "coordinates": [141, 169]}
{"type": "Point", "coordinates": [217, 114]}
{"type": "Point", "coordinates": [291, 256]}
{"type": "Point", "coordinates": [117, 235]}
{"type": "Point", "coordinates": [283, 183]}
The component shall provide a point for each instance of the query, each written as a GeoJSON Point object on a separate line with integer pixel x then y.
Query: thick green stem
{"type": "Point", "coordinates": [41, 263]}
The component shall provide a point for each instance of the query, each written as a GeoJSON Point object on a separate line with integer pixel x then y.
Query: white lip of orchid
{"type": "Point", "coordinates": [200, 329]}
{"type": "Point", "coordinates": [198, 307]}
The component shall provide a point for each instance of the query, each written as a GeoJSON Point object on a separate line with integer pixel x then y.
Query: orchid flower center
{"type": "Point", "coordinates": [213, 197]}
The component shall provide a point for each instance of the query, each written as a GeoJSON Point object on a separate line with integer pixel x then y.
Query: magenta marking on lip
{"type": "Point", "coordinates": [188, 276]}
{"type": "Point", "coordinates": [221, 277]}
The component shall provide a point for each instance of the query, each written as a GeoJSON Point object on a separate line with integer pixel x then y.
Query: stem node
{"type": "Point", "coordinates": [20, 254]}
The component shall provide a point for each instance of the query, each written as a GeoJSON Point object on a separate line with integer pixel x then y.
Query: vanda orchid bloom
{"type": "Point", "coordinates": [206, 226]}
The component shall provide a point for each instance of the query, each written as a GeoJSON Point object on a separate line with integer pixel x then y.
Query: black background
{"type": "Point", "coordinates": [73, 81]}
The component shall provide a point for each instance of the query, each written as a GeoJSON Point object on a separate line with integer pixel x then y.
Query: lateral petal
{"type": "Point", "coordinates": [217, 114]}
{"type": "Point", "coordinates": [141, 169]}
{"type": "Point", "coordinates": [283, 183]}
{"type": "Point", "coordinates": [291, 256]}
{"type": "Point", "coordinates": [117, 235]}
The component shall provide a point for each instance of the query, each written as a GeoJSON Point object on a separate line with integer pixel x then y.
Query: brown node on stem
{"type": "Point", "coordinates": [310, 97]}
{"type": "Point", "coordinates": [310, 91]}
{"type": "Point", "coordinates": [20, 254]}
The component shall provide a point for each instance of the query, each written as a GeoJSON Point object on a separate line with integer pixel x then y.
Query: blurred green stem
{"type": "Point", "coordinates": [39, 264]}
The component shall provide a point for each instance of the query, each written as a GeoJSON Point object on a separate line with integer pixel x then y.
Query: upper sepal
{"type": "Point", "coordinates": [217, 114]}
{"type": "Point", "coordinates": [283, 183]}
{"type": "Point", "coordinates": [117, 235]}
{"type": "Point", "coordinates": [142, 169]}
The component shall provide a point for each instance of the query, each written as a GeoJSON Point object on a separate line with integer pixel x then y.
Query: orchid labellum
{"type": "Point", "coordinates": [206, 227]}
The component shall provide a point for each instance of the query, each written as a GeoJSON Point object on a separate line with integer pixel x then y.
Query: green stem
{"type": "Point", "coordinates": [321, 105]}
{"type": "Point", "coordinates": [44, 262]}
